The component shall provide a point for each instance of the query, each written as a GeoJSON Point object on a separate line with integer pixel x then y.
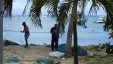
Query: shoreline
{"type": "Point", "coordinates": [29, 55]}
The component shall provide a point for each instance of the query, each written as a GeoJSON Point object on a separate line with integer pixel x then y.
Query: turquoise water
{"type": "Point", "coordinates": [93, 34]}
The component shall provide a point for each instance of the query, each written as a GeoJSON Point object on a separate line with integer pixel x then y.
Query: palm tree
{"type": "Point", "coordinates": [61, 13]}
{"type": "Point", "coordinates": [5, 8]}
{"type": "Point", "coordinates": [1, 29]}
{"type": "Point", "coordinates": [107, 5]}
{"type": "Point", "coordinates": [69, 40]}
{"type": "Point", "coordinates": [96, 4]}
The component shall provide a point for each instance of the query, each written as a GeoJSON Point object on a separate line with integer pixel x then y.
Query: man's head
{"type": "Point", "coordinates": [24, 23]}
{"type": "Point", "coordinates": [55, 25]}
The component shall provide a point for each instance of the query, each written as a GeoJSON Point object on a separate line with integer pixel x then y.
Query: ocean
{"type": "Point", "coordinates": [93, 34]}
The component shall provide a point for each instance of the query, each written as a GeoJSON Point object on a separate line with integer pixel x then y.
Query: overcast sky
{"type": "Point", "coordinates": [18, 7]}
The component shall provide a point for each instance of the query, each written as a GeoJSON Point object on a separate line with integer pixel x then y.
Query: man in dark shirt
{"type": "Point", "coordinates": [55, 37]}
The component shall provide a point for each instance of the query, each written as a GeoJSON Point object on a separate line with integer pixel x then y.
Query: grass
{"type": "Point", "coordinates": [98, 59]}
{"type": "Point", "coordinates": [108, 59]}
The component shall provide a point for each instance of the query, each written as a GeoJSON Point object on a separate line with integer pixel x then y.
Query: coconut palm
{"type": "Point", "coordinates": [69, 40]}
{"type": "Point", "coordinates": [1, 28]}
{"type": "Point", "coordinates": [61, 13]}
{"type": "Point", "coordinates": [80, 22]}
{"type": "Point", "coordinates": [8, 7]}
{"type": "Point", "coordinates": [107, 5]}
{"type": "Point", "coordinates": [5, 8]}
{"type": "Point", "coordinates": [94, 8]}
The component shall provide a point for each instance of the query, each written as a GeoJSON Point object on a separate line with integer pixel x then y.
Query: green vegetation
{"type": "Point", "coordinates": [93, 47]}
{"type": "Point", "coordinates": [98, 59]}
{"type": "Point", "coordinates": [105, 46]}
{"type": "Point", "coordinates": [108, 59]}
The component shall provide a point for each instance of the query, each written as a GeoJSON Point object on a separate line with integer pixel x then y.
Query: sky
{"type": "Point", "coordinates": [18, 7]}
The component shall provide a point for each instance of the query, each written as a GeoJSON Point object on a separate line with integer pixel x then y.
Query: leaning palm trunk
{"type": "Point", "coordinates": [1, 31]}
{"type": "Point", "coordinates": [74, 20]}
{"type": "Point", "coordinates": [69, 40]}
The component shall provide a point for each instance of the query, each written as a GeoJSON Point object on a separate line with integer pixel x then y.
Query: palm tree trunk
{"type": "Point", "coordinates": [1, 31]}
{"type": "Point", "coordinates": [69, 40]}
{"type": "Point", "coordinates": [74, 20]}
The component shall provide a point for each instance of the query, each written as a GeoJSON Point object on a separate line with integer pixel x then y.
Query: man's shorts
{"type": "Point", "coordinates": [26, 35]}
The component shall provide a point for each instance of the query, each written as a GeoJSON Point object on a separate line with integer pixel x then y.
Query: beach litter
{"type": "Point", "coordinates": [12, 59]}
{"type": "Point", "coordinates": [44, 61]}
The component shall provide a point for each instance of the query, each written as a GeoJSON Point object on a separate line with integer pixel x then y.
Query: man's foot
{"type": "Point", "coordinates": [27, 47]}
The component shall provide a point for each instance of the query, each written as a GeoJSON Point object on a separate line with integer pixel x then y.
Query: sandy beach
{"type": "Point", "coordinates": [18, 54]}
{"type": "Point", "coordinates": [29, 55]}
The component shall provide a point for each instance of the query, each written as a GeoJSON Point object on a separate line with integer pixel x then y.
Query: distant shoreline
{"type": "Point", "coordinates": [9, 42]}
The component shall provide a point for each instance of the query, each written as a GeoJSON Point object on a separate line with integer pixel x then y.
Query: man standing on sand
{"type": "Point", "coordinates": [55, 37]}
{"type": "Point", "coordinates": [26, 31]}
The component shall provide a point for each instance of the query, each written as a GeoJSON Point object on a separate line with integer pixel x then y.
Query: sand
{"type": "Point", "coordinates": [29, 55]}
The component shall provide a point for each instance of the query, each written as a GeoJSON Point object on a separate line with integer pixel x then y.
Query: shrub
{"type": "Point", "coordinates": [109, 49]}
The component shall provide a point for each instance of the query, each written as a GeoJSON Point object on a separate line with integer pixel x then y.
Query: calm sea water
{"type": "Point", "coordinates": [93, 34]}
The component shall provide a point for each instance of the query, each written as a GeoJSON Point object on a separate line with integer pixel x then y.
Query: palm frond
{"type": "Point", "coordinates": [82, 5]}
{"type": "Point", "coordinates": [60, 11]}
{"type": "Point", "coordinates": [26, 6]}
{"type": "Point", "coordinates": [109, 10]}
{"type": "Point", "coordinates": [107, 5]}
{"type": "Point", "coordinates": [94, 7]}
{"type": "Point", "coordinates": [108, 24]}
{"type": "Point", "coordinates": [52, 6]}
{"type": "Point", "coordinates": [35, 11]}
{"type": "Point", "coordinates": [63, 16]}
{"type": "Point", "coordinates": [8, 7]}
{"type": "Point", "coordinates": [109, 21]}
